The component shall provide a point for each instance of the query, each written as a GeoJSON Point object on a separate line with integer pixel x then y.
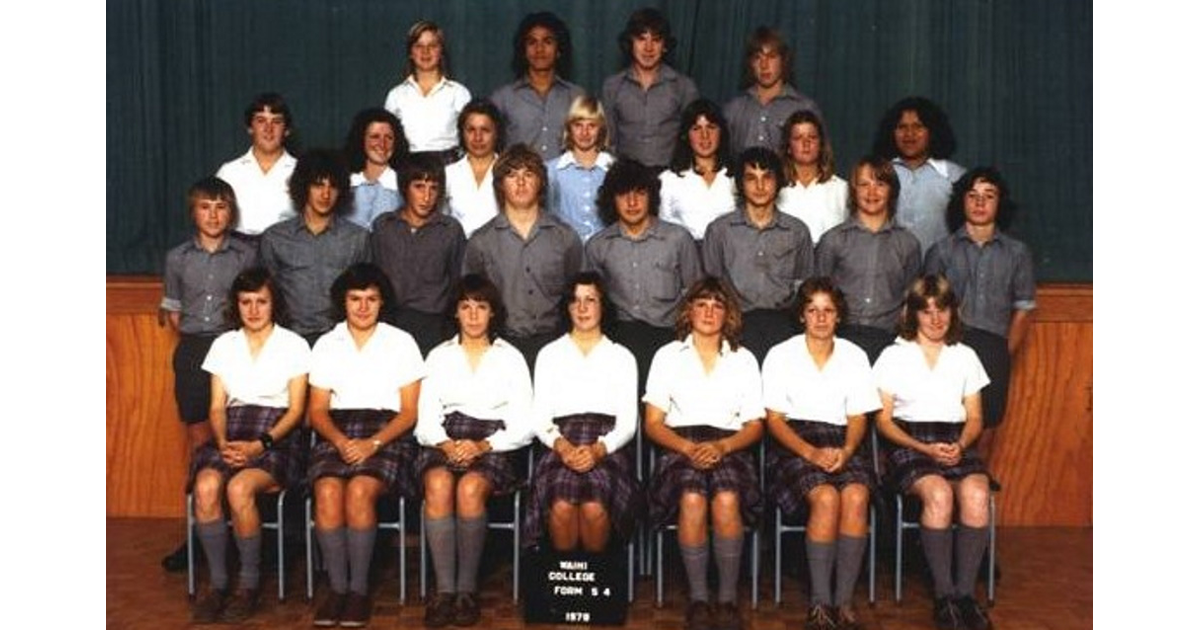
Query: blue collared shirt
{"type": "Point", "coordinates": [924, 193]}
{"type": "Point", "coordinates": [573, 188]}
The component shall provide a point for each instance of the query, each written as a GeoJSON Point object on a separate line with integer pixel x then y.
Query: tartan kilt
{"type": "Point", "coordinates": [392, 464]}
{"type": "Point", "coordinates": [737, 472]}
{"type": "Point", "coordinates": [497, 468]}
{"type": "Point", "coordinates": [908, 465]}
{"type": "Point", "coordinates": [794, 477]}
{"type": "Point", "coordinates": [612, 481]}
{"type": "Point", "coordinates": [284, 462]}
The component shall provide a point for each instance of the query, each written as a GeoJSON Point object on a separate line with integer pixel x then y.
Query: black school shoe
{"type": "Point", "coordinates": [946, 615]}
{"type": "Point", "coordinates": [974, 617]}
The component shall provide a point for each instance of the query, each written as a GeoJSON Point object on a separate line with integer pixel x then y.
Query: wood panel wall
{"type": "Point", "coordinates": [1043, 452]}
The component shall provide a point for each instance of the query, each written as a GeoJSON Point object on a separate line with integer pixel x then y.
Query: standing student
{"type": "Point", "coordinates": [576, 175]}
{"type": "Point", "coordinates": [915, 134]}
{"type": "Point", "coordinates": [305, 254]}
{"type": "Point", "coordinates": [421, 251]}
{"type": "Point", "coordinates": [427, 101]}
{"type": "Point", "coordinates": [645, 100]}
{"type": "Point", "coordinates": [470, 195]}
{"type": "Point", "coordinates": [698, 187]}
{"type": "Point", "coordinates": [760, 252]}
{"type": "Point", "coordinates": [375, 148]}
{"type": "Point", "coordinates": [196, 281]}
{"type": "Point", "coordinates": [871, 258]}
{"type": "Point", "coordinates": [260, 177]}
{"type": "Point", "coordinates": [535, 105]}
{"type": "Point", "coordinates": [993, 272]}
{"type": "Point", "coordinates": [812, 191]}
{"type": "Point", "coordinates": [756, 115]}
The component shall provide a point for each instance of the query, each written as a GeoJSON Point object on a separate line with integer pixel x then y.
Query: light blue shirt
{"type": "Point", "coordinates": [924, 193]}
{"type": "Point", "coordinates": [573, 191]}
{"type": "Point", "coordinates": [373, 198]}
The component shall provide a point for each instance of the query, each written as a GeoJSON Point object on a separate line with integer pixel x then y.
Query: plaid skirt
{"type": "Point", "coordinates": [736, 472]}
{"type": "Point", "coordinates": [907, 465]}
{"type": "Point", "coordinates": [792, 477]}
{"type": "Point", "coordinates": [612, 481]}
{"type": "Point", "coordinates": [392, 464]}
{"type": "Point", "coordinates": [497, 468]}
{"type": "Point", "coordinates": [284, 462]}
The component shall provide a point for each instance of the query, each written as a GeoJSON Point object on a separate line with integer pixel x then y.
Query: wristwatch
{"type": "Point", "coordinates": [266, 440]}
{"type": "Point", "coordinates": [378, 444]}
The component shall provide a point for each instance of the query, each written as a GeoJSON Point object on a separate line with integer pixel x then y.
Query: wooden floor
{"type": "Point", "coordinates": [1046, 584]}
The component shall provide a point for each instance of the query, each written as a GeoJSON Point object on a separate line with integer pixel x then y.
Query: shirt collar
{"type": "Point", "coordinates": [941, 167]}
{"type": "Point", "coordinates": [689, 343]}
{"type": "Point", "coordinates": [567, 159]}
{"type": "Point", "coordinates": [387, 179]}
{"type": "Point", "coordinates": [665, 73]}
{"type": "Point", "coordinates": [411, 81]}
{"type": "Point", "coordinates": [222, 246]}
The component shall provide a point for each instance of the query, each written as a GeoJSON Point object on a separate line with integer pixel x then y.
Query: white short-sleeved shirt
{"type": "Point", "coordinates": [921, 394]}
{"type": "Point", "coordinates": [472, 204]}
{"type": "Point", "coordinates": [261, 380]}
{"type": "Point", "coordinates": [820, 205]}
{"type": "Point", "coordinates": [727, 398]}
{"type": "Point", "coordinates": [794, 386]}
{"type": "Point", "coordinates": [430, 120]}
{"type": "Point", "coordinates": [262, 198]}
{"type": "Point", "coordinates": [498, 389]}
{"type": "Point", "coordinates": [689, 201]}
{"type": "Point", "coordinates": [566, 382]}
{"type": "Point", "coordinates": [369, 377]}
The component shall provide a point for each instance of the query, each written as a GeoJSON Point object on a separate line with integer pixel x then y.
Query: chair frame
{"type": "Point", "coordinates": [398, 525]}
{"type": "Point", "coordinates": [277, 525]}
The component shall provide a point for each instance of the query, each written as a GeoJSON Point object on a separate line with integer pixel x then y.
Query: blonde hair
{"type": "Point", "coordinates": [585, 107]}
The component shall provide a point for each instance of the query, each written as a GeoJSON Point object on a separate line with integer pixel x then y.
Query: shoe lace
{"type": "Point", "coordinates": [821, 617]}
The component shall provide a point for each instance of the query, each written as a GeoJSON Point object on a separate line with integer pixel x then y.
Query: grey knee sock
{"type": "Point", "coordinates": [333, 549]}
{"type": "Point", "coordinates": [970, 544]}
{"type": "Point", "coordinates": [440, 532]}
{"type": "Point", "coordinates": [250, 553]}
{"type": "Point", "coordinates": [695, 564]}
{"type": "Point", "coordinates": [849, 562]}
{"type": "Point", "coordinates": [729, 562]}
{"type": "Point", "coordinates": [360, 546]}
{"type": "Point", "coordinates": [472, 534]}
{"type": "Point", "coordinates": [214, 536]}
{"type": "Point", "coordinates": [938, 544]}
{"type": "Point", "coordinates": [820, 570]}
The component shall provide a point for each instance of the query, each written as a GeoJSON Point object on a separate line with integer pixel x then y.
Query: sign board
{"type": "Point", "coordinates": [576, 587]}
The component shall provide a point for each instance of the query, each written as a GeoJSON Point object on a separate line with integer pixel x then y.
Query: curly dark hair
{"type": "Point", "coordinates": [626, 175]}
{"type": "Point", "coordinates": [249, 281]}
{"type": "Point", "coordinates": [356, 156]}
{"type": "Point", "coordinates": [562, 37]}
{"type": "Point", "coordinates": [313, 167]}
{"type": "Point", "coordinates": [359, 277]}
{"type": "Point", "coordinates": [1006, 209]}
{"type": "Point", "coordinates": [942, 142]}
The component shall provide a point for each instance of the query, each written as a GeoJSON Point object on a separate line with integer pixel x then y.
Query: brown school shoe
{"type": "Point", "coordinates": [357, 612]}
{"type": "Point", "coordinates": [439, 612]}
{"type": "Point", "coordinates": [847, 619]}
{"type": "Point", "coordinates": [242, 606]}
{"type": "Point", "coordinates": [208, 608]}
{"type": "Point", "coordinates": [466, 609]}
{"type": "Point", "coordinates": [699, 616]}
{"type": "Point", "coordinates": [329, 613]}
{"type": "Point", "coordinates": [727, 617]}
{"type": "Point", "coordinates": [819, 618]}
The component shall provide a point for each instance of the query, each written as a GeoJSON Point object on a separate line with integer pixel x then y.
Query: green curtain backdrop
{"type": "Point", "coordinates": [1014, 76]}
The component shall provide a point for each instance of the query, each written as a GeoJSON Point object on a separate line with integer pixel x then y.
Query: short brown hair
{"type": "Point", "coordinates": [513, 159]}
{"type": "Point", "coordinates": [711, 287]}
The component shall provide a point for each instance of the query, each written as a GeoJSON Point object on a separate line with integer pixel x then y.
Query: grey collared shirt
{"type": "Point", "coordinates": [643, 123]}
{"type": "Point", "coordinates": [873, 269]}
{"type": "Point", "coordinates": [752, 124]}
{"type": "Point", "coordinates": [764, 265]}
{"type": "Point", "coordinates": [421, 263]}
{"type": "Point", "coordinates": [196, 283]}
{"type": "Point", "coordinates": [648, 275]}
{"type": "Point", "coordinates": [533, 119]}
{"type": "Point", "coordinates": [306, 264]}
{"type": "Point", "coordinates": [991, 280]}
{"type": "Point", "coordinates": [531, 274]}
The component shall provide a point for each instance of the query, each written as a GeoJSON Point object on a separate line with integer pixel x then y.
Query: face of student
{"type": "Point", "coordinates": [704, 136]}
{"type": "Point", "coordinates": [585, 134]}
{"type": "Point", "coordinates": [648, 49]}
{"type": "Point", "coordinates": [759, 186]}
{"type": "Point", "coordinates": [322, 197]}
{"type": "Point", "coordinates": [584, 308]}
{"type": "Point", "coordinates": [912, 136]}
{"type": "Point", "coordinates": [932, 322]}
{"type": "Point", "coordinates": [379, 142]}
{"type": "Point", "coordinates": [541, 49]}
{"type": "Point", "coordinates": [804, 144]}
{"type": "Point", "coordinates": [254, 309]}
{"type": "Point", "coordinates": [820, 317]}
{"type": "Point", "coordinates": [633, 208]}
{"type": "Point", "coordinates": [362, 308]}
{"type": "Point", "coordinates": [981, 203]}
{"type": "Point", "coordinates": [521, 188]}
{"type": "Point", "coordinates": [870, 193]}
{"type": "Point", "coordinates": [474, 316]}
{"type": "Point", "coordinates": [707, 316]}
{"type": "Point", "coordinates": [768, 67]}
{"type": "Point", "coordinates": [212, 216]}
{"type": "Point", "coordinates": [479, 131]}
{"type": "Point", "coordinates": [267, 131]}
{"type": "Point", "coordinates": [421, 198]}
{"type": "Point", "coordinates": [426, 52]}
